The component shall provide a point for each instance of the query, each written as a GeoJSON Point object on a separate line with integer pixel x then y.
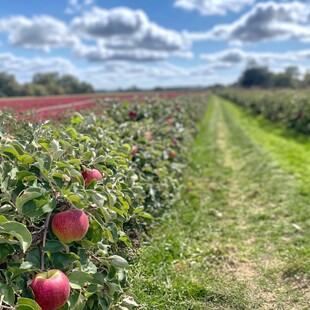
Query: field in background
{"type": "Point", "coordinates": [53, 106]}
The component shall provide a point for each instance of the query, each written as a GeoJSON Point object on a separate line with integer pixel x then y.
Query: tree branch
{"type": "Point", "coordinates": [45, 229]}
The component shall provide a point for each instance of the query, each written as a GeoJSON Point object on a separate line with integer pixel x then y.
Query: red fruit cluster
{"type": "Point", "coordinates": [51, 289]}
{"type": "Point", "coordinates": [52, 106]}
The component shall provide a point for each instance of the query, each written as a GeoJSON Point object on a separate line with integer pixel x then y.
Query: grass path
{"type": "Point", "coordinates": [241, 237]}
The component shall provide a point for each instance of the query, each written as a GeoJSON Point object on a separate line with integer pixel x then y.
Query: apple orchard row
{"type": "Point", "coordinates": [76, 198]}
{"type": "Point", "coordinates": [289, 107]}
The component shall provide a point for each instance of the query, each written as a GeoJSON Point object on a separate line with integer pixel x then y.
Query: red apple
{"type": "Point", "coordinates": [132, 114]}
{"type": "Point", "coordinates": [174, 141]}
{"type": "Point", "coordinates": [92, 174]}
{"type": "Point", "coordinates": [148, 135]}
{"type": "Point", "coordinates": [299, 115]}
{"type": "Point", "coordinates": [71, 225]}
{"type": "Point", "coordinates": [51, 289]}
{"type": "Point", "coordinates": [134, 150]}
{"type": "Point", "coordinates": [170, 121]}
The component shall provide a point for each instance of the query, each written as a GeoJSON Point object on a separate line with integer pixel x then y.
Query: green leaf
{"type": "Point", "coordinates": [26, 159]}
{"type": "Point", "coordinates": [145, 215]}
{"type": "Point", "coordinates": [118, 261]}
{"type": "Point", "coordinates": [138, 209]}
{"type": "Point", "coordinates": [76, 200]}
{"type": "Point", "coordinates": [63, 260]}
{"type": "Point", "coordinates": [26, 266]}
{"type": "Point", "coordinates": [76, 301]}
{"type": "Point", "coordinates": [33, 257]}
{"type": "Point", "coordinates": [55, 145]}
{"type": "Point", "coordinates": [3, 219]}
{"type": "Point", "coordinates": [97, 198]}
{"type": "Point", "coordinates": [103, 304]}
{"type": "Point", "coordinates": [72, 132]}
{"type": "Point", "coordinates": [54, 246]}
{"type": "Point", "coordinates": [5, 208]}
{"type": "Point", "coordinates": [5, 250]}
{"type": "Point", "coordinates": [29, 194]}
{"type": "Point", "coordinates": [129, 302]}
{"type": "Point", "coordinates": [77, 119]}
{"type": "Point", "coordinates": [112, 199]}
{"type": "Point", "coordinates": [56, 155]}
{"type": "Point", "coordinates": [27, 304]}
{"type": "Point", "coordinates": [77, 279]}
{"type": "Point", "coordinates": [11, 150]}
{"type": "Point", "coordinates": [98, 160]}
{"type": "Point", "coordinates": [19, 231]}
{"type": "Point", "coordinates": [8, 294]}
{"type": "Point", "coordinates": [50, 205]}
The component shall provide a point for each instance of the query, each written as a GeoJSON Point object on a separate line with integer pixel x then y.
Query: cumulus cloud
{"type": "Point", "coordinates": [100, 52]}
{"type": "Point", "coordinates": [126, 34]}
{"type": "Point", "coordinates": [41, 32]}
{"type": "Point", "coordinates": [109, 75]}
{"type": "Point", "coordinates": [100, 23]}
{"type": "Point", "coordinates": [213, 7]}
{"type": "Point", "coordinates": [266, 21]}
{"type": "Point", "coordinates": [99, 35]}
{"type": "Point", "coordinates": [23, 68]}
{"type": "Point", "coordinates": [234, 56]}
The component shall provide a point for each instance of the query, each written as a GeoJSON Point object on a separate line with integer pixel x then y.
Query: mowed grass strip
{"type": "Point", "coordinates": [240, 238]}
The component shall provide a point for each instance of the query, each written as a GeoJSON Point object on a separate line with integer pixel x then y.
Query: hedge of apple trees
{"type": "Point", "coordinates": [290, 107]}
{"type": "Point", "coordinates": [139, 154]}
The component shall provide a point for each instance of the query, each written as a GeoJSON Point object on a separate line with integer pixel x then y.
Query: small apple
{"type": "Point", "coordinates": [71, 225]}
{"type": "Point", "coordinates": [92, 174]}
{"type": "Point", "coordinates": [177, 107]}
{"type": "Point", "coordinates": [170, 121]}
{"type": "Point", "coordinates": [51, 289]}
{"type": "Point", "coordinates": [174, 141]}
{"type": "Point", "coordinates": [172, 154]}
{"type": "Point", "coordinates": [132, 114]}
{"type": "Point", "coordinates": [299, 115]}
{"type": "Point", "coordinates": [148, 135]}
{"type": "Point", "coordinates": [134, 150]}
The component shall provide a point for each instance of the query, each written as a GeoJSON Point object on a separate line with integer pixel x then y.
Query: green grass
{"type": "Point", "coordinates": [240, 239]}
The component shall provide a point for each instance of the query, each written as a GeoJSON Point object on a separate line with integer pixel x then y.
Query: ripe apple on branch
{"type": "Point", "coordinates": [51, 289]}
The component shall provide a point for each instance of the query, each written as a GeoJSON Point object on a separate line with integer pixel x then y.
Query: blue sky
{"type": "Point", "coordinates": [148, 43]}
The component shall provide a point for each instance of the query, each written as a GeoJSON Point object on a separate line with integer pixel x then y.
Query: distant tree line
{"type": "Point", "coordinates": [43, 84]}
{"type": "Point", "coordinates": [261, 76]}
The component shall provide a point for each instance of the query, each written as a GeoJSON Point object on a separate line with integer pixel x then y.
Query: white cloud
{"type": "Point", "coordinates": [99, 35]}
{"type": "Point", "coordinates": [213, 7]}
{"type": "Point", "coordinates": [76, 6]}
{"type": "Point", "coordinates": [268, 21]}
{"type": "Point", "coordinates": [100, 53]}
{"type": "Point", "coordinates": [23, 68]}
{"type": "Point", "coordinates": [110, 76]}
{"type": "Point", "coordinates": [41, 32]}
{"type": "Point", "coordinates": [126, 34]}
{"type": "Point", "coordinates": [100, 23]}
{"type": "Point", "coordinates": [234, 56]}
